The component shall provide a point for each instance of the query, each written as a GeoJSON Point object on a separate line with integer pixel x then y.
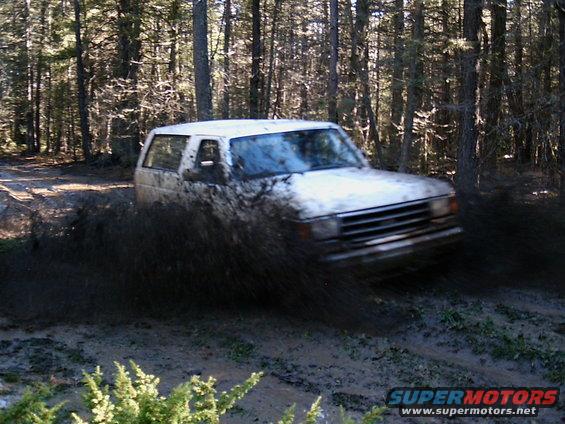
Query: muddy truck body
{"type": "Point", "coordinates": [355, 213]}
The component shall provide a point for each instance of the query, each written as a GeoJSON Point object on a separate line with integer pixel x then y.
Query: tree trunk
{"type": "Point", "coordinates": [334, 45]}
{"type": "Point", "coordinates": [304, 78]}
{"type": "Point", "coordinates": [256, 60]}
{"type": "Point", "coordinates": [373, 127]}
{"type": "Point", "coordinates": [561, 12]}
{"type": "Point", "coordinates": [483, 70]}
{"type": "Point", "coordinates": [125, 131]}
{"type": "Point", "coordinates": [271, 70]}
{"type": "Point", "coordinates": [227, 46]}
{"type": "Point", "coordinates": [48, 110]}
{"type": "Point", "coordinates": [133, 98]}
{"type": "Point", "coordinates": [37, 107]}
{"type": "Point", "coordinates": [280, 78]}
{"type": "Point", "coordinates": [174, 18]}
{"type": "Point", "coordinates": [39, 74]}
{"type": "Point", "coordinates": [515, 89]}
{"type": "Point", "coordinates": [58, 117]}
{"type": "Point", "coordinates": [349, 99]}
{"type": "Point", "coordinates": [201, 64]}
{"type": "Point", "coordinates": [467, 177]}
{"type": "Point", "coordinates": [19, 70]}
{"type": "Point", "coordinates": [30, 137]}
{"type": "Point", "coordinates": [378, 71]}
{"type": "Point", "coordinates": [129, 43]}
{"type": "Point", "coordinates": [444, 114]}
{"type": "Point", "coordinates": [546, 84]}
{"type": "Point", "coordinates": [82, 96]}
{"type": "Point", "coordinates": [360, 72]}
{"type": "Point", "coordinates": [497, 73]}
{"type": "Point", "coordinates": [396, 106]}
{"type": "Point", "coordinates": [414, 93]}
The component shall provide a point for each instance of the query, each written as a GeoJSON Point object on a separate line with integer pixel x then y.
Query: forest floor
{"type": "Point", "coordinates": [450, 328]}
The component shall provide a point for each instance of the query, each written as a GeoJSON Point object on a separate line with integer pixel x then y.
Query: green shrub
{"type": "Point", "coordinates": [136, 400]}
{"type": "Point", "coordinates": [32, 409]}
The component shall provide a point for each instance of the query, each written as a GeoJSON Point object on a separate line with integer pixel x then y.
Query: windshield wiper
{"type": "Point", "coordinates": [264, 175]}
{"type": "Point", "coordinates": [322, 167]}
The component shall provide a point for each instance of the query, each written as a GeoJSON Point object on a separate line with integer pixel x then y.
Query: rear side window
{"type": "Point", "coordinates": [165, 152]}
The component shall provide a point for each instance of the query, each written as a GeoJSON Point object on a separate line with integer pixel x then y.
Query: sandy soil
{"type": "Point", "coordinates": [28, 187]}
{"type": "Point", "coordinates": [450, 335]}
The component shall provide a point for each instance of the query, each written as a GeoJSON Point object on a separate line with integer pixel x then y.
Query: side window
{"type": "Point", "coordinates": [165, 152]}
{"type": "Point", "coordinates": [208, 162]}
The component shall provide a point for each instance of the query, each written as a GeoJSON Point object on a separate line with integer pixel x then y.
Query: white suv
{"type": "Point", "coordinates": [355, 212]}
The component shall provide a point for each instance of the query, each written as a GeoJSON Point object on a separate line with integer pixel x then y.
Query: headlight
{"type": "Point", "coordinates": [325, 228]}
{"type": "Point", "coordinates": [319, 229]}
{"type": "Point", "coordinates": [440, 207]}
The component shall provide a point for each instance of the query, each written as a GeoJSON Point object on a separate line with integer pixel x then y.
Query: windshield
{"type": "Point", "coordinates": [291, 152]}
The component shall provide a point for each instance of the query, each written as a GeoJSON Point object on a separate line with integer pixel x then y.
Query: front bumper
{"type": "Point", "coordinates": [398, 247]}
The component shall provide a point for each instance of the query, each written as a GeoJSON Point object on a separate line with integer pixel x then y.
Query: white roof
{"type": "Point", "coordinates": [241, 127]}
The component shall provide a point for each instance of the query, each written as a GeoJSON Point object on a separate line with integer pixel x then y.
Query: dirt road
{"type": "Point", "coordinates": [50, 191]}
{"type": "Point", "coordinates": [451, 335]}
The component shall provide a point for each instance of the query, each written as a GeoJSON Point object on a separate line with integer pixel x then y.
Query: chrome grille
{"type": "Point", "coordinates": [361, 226]}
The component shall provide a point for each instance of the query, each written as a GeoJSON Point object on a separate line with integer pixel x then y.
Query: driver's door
{"type": "Point", "coordinates": [205, 171]}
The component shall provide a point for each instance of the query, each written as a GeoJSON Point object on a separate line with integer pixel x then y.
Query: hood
{"type": "Point", "coordinates": [331, 191]}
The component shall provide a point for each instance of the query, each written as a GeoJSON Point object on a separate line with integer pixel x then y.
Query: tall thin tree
{"type": "Point", "coordinates": [515, 90]}
{"type": "Point", "coordinates": [543, 81]}
{"type": "Point", "coordinates": [201, 63]}
{"type": "Point", "coordinates": [39, 73]}
{"type": "Point", "coordinates": [397, 84]}
{"type": "Point", "coordinates": [415, 83]}
{"type": "Point", "coordinates": [270, 74]}
{"type": "Point", "coordinates": [256, 59]}
{"type": "Point", "coordinates": [561, 12]}
{"type": "Point", "coordinates": [174, 20]}
{"type": "Point", "coordinates": [82, 95]}
{"type": "Point", "coordinates": [371, 115]}
{"type": "Point", "coordinates": [349, 101]}
{"type": "Point", "coordinates": [467, 177]}
{"type": "Point", "coordinates": [497, 72]}
{"type": "Point", "coordinates": [362, 20]}
{"type": "Point", "coordinates": [334, 53]}
{"type": "Point", "coordinates": [125, 126]}
{"type": "Point", "coordinates": [444, 116]}
{"type": "Point", "coordinates": [304, 77]}
{"type": "Point", "coordinates": [30, 127]}
{"type": "Point", "coordinates": [227, 59]}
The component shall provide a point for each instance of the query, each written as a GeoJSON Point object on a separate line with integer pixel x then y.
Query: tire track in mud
{"type": "Point", "coordinates": [497, 376]}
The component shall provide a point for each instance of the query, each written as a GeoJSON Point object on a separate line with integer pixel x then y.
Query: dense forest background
{"type": "Point", "coordinates": [431, 86]}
